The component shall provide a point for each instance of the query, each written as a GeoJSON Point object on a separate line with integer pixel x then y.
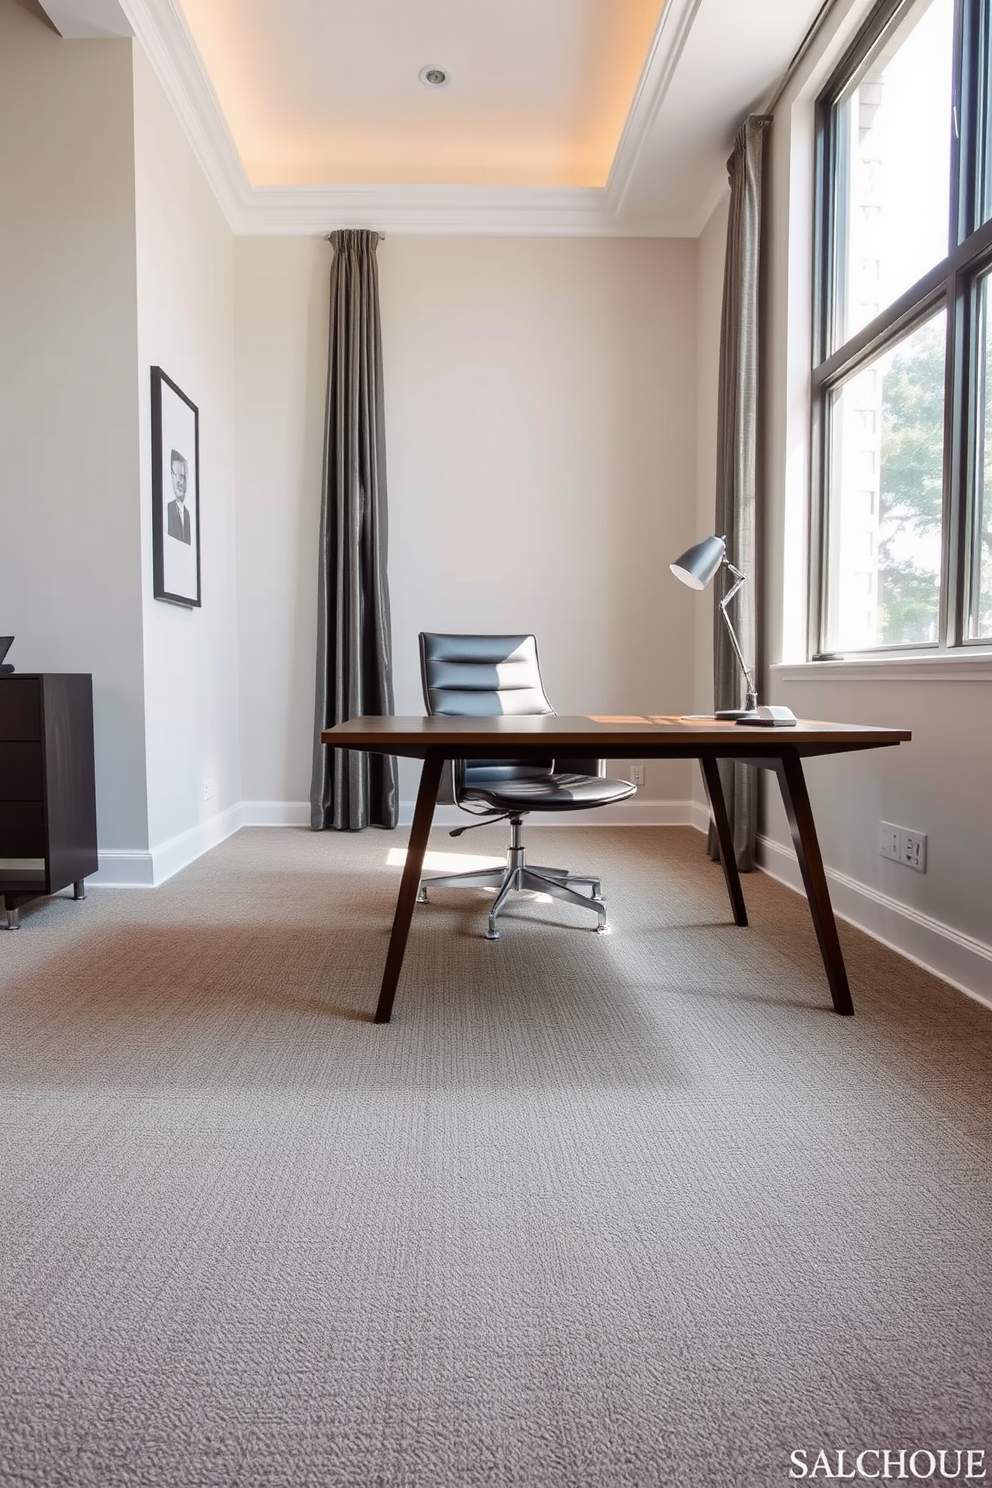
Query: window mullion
{"type": "Point", "coordinates": [914, 305]}
{"type": "Point", "coordinates": [960, 448]}
{"type": "Point", "coordinates": [820, 477]}
{"type": "Point", "coordinates": [964, 217]}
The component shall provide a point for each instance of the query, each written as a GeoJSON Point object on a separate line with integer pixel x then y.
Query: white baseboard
{"type": "Point", "coordinates": [635, 812]}
{"type": "Point", "coordinates": [146, 870]}
{"type": "Point", "coordinates": [276, 813]}
{"type": "Point", "coordinates": [959, 959]}
{"type": "Point", "coordinates": [699, 816]}
{"type": "Point", "coordinates": [123, 870]}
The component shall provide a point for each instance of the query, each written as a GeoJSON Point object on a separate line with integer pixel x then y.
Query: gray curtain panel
{"type": "Point", "coordinates": [354, 649]}
{"type": "Point", "coordinates": [737, 458]}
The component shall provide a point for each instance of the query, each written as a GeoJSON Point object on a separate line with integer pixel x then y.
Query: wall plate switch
{"type": "Point", "coordinates": [914, 849]}
{"type": "Point", "coordinates": [890, 841]}
{"type": "Point", "coordinates": [636, 774]}
{"type": "Point", "coordinates": [209, 789]}
{"type": "Point", "coordinates": [903, 845]}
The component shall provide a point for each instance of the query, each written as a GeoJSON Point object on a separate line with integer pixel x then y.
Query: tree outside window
{"type": "Point", "coordinates": [905, 444]}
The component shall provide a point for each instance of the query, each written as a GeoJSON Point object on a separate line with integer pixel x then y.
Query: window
{"type": "Point", "coordinates": [902, 377]}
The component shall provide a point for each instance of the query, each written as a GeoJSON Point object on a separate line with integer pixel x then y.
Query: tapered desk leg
{"type": "Point", "coordinates": [725, 837]}
{"type": "Point", "coordinates": [797, 808]}
{"type": "Point", "coordinates": [430, 779]}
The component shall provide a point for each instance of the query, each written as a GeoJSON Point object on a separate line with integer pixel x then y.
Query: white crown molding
{"type": "Point", "coordinates": [452, 210]}
{"type": "Point", "coordinates": [161, 30]}
{"type": "Point", "coordinates": [84, 20]}
{"type": "Point", "coordinates": [721, 189]}
{"type": "Point", "coordinates": [667, 46]}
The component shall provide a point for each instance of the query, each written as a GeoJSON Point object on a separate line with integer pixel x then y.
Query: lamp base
{"type": "Point", "coordinates": [733, 713]}
{"type": "Point", "coordinates": [768, 716]}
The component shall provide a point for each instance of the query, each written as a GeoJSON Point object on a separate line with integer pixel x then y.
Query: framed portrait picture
{"type": "Point", "coordinates": [175, 492]}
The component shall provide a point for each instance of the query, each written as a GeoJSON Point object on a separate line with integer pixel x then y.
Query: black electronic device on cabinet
{"type": "Point", "coordinates": [47, 789]}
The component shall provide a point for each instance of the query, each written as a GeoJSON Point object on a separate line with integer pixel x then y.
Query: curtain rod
{"type": "Point", "coordinates": [804, 46]}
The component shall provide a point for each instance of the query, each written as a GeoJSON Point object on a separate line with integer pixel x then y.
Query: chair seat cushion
{"type": "Point", "coordinates": [557, 792]}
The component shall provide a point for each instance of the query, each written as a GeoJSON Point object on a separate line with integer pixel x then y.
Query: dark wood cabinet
{"type": "Point", "coordinates": [47, 790]}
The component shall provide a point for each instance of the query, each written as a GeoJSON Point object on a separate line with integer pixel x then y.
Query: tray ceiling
{"type": "Point", "coordinates": [560, 116]}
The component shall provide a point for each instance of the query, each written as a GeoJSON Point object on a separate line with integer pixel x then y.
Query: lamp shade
{"type": "Point", "coordinates": [698, 564]}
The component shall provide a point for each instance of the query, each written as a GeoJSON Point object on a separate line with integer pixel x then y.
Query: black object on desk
{"type": "Point", "coordinates": [47, 789]}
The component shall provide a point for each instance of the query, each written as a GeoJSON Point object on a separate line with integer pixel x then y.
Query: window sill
{"type": "Point", "coordinates": [960, 666]}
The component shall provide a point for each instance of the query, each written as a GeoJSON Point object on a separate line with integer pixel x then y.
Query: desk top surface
{"type": "Point", "coordinates": [610, 735]}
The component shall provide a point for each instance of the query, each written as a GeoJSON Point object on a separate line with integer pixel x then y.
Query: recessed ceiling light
{"type": "Point", "coordinates": [433, 77]}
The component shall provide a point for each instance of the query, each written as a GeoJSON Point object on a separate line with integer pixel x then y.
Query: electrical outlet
{"type": "Point", "coordinates": [636, 774]}
{"type": "Point", "coordinates": [914, 849]}
{"type": "Point", "coordinates": [889, 841]}
{"type": "Point", "coordinates": [209, 789]}
{"type": "Point", "coordinates": [903, 845]}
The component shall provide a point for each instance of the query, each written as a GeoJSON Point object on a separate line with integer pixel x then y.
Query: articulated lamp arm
{"type": "Point", "coordinates": [695, 567]}
{"type": "Point", "coordinates": [751, 701]}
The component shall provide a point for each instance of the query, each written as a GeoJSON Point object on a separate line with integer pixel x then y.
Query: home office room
{"type": "Point", "coordinates": [562, 425]}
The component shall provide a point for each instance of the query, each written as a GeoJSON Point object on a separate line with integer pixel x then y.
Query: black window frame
{"type": "Point", "coordinates": [954, 282]}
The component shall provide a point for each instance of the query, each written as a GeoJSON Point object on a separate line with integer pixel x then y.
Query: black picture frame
{"type": "Point", "coordinates": [175, 493]}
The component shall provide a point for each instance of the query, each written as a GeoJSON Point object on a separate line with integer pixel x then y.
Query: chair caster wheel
{"type": "Point", "coordinates": [492, 933]}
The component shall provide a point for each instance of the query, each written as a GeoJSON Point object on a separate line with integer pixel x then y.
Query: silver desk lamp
{"type": "Point", "coordinates": [696, 567]}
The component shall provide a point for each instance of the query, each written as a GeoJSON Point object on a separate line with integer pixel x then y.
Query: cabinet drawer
{"type": "Point", "coordinates": [22, 829]}
{"type": "Point", "coordinates": [20, 708]}
{"type": "Point", "coordinates": [20, 772]}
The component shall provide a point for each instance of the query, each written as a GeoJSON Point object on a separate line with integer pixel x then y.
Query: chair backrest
{"type": "Point", "coordinates": [484, 676]}
{"type": "Point", "coordinates": [488, 676]}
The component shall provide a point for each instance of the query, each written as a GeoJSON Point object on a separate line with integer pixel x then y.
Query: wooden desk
{"type": "Point", "coordinates": [781, 750]}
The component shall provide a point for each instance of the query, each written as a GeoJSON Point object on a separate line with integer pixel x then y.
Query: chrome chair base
{"type": "Point", "coordinates": [517, 876]}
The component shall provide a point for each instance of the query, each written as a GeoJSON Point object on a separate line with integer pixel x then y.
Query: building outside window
{"type": "Point", "coordinates": [903, 351]}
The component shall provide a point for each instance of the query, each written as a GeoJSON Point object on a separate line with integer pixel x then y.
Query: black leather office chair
{"type": "Point", "coordinates": [485, 676]}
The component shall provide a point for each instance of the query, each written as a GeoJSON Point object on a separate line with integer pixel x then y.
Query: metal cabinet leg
{"type": "Point", "coordinates": [79, 889]}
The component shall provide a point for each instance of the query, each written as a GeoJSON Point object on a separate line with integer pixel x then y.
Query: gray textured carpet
{"type": "Point", "coordinates": [626, 1210]}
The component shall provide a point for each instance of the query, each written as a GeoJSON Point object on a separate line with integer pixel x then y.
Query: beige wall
{"type": "Point", "coordinates": [115, 257]}
{"type": "Point", "coordinates": [70, 570]}
{"type": "Point", "coordinates": [281, 293]}
{"type": "Point", "coordinates": [185, 300]}
{"type": "Point", "coordinates": [540, 404]}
